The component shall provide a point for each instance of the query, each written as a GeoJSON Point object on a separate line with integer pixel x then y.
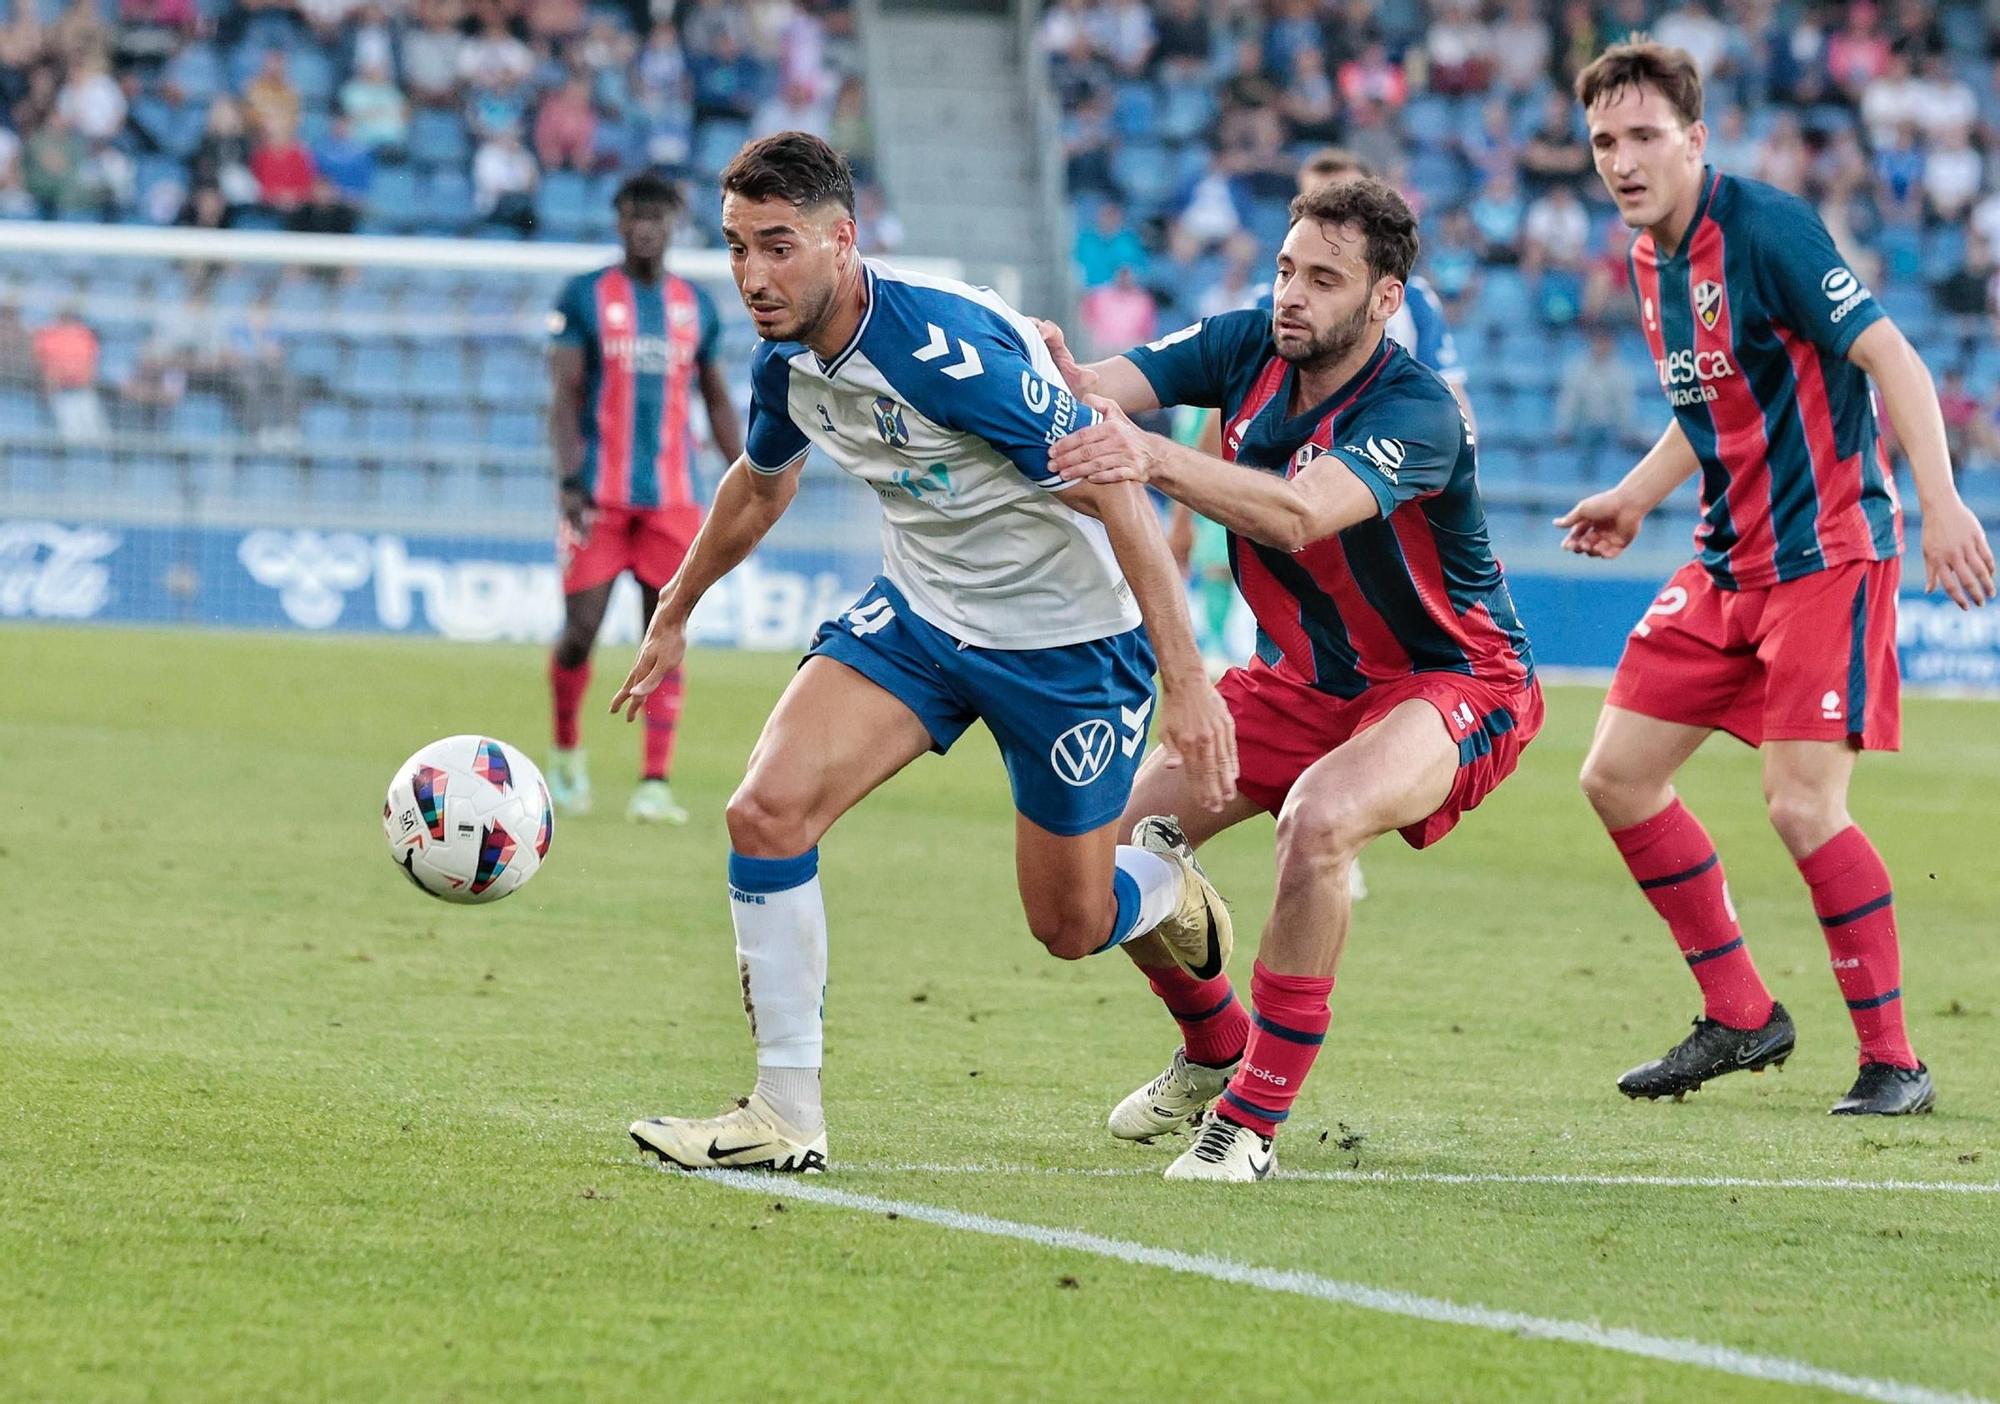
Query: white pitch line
{"type": "Point", "coordinates": [1699, 1354]}
{"type": "Point", "coordinates": [1416, 1177]}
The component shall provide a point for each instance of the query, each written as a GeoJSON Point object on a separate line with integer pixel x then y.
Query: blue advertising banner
{"type": "Point", "coordinates": [482, 589]}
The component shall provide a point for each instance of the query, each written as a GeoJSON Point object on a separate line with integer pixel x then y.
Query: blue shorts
{"type": "Point", "coordinates": [1071, 721]}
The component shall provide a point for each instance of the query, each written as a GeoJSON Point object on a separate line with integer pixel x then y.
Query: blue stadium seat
{"type": "Point", "coordinates": [20, 411]}
{"type": "Point", "coordinates": [520, 491]}
{"type": "Point", "coordinates": [451, 426]}
{"type": "Point", "coordinates": [325, 422]}
{"type": "Point", "coordinates": [513, 428]}
{"type": "Point", "coordinates": [1135, 110]}
{"type": "Point", "coordinates": [562, 204]}
{"type": "Point", "coordinates": [403, 487]}
{"type": "Point", "coordinates": [438, 139]}
{"type": "Point", "coordinates": [313, 74]}
{"type": "Point", "coordinates": [1145, 171]}
{"type": "Point", "coordinates": [201, 416]}
{"type": "Point", "coordinates": [337, 483]}
{"type": "Point", "coordinates": [1188, 111]}
{"type": "Point", "coordinates": [384, 423]}
{"type": "Point", "coordinates": [1430, 121]}
{"type": "Point", "coordinates": [716, 143]}
{"type": "Point", "coordinates": [270, 482]}
{"type": "Point", "coordinates": [437, 372]}
{"type": "Point", "coordinates": [393, 198]}
{"type": "Point", "coordinates": [446, 201]}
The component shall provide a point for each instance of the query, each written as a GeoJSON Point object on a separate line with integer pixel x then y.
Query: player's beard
{"type": "Point", "coordinates": [813, 311]}
{"type": "Point", "coordinates": [1331, 346]}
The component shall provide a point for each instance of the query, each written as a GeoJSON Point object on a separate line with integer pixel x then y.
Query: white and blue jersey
{"type": "Point", "coordinates": [996, 601]}
{"type": "Point", "coordinates": [1419, 328]}
{"type": "Point", "coordinates": [945, 402]}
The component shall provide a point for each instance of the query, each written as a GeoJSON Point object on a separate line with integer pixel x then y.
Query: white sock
{"type": "Point", "coordinates": [793, 1094]}
{"type": "Point", "coordinates": [1148, 888]}
{"type": "Point", "coordinates": [780, 924]}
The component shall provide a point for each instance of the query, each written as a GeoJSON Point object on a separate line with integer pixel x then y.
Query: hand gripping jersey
{"type": "Point", "coordinates": [1749, 322]}
{"type": "Point", "coordinates": [642, 343]}
{"type": "Point", "coordinates": [945, 403]}
{"type": "Point", "coordinates": [1415, 589]}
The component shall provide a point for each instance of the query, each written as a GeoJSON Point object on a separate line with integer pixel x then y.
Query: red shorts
{"type": "Point", "coordinates": [1812, 659]}
{"type": "Point", "coordinates": [1283, 726]}
{"type": "Point", "coordinates": [648, 541]}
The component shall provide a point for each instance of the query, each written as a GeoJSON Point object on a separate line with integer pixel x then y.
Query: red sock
{"type": "Point", "coordinates": [1675, 864]}
{"type": "Point", "coordinates": [1857, 911]}
{"type": "Point", "coordinates": [1289, 1026]}
{"type": "Point", "coordinates": [1213, 1025]}
{"type": "Point", "coordinates": [663, 715]}
{"type": "Point", "coordinates": [568, 685]}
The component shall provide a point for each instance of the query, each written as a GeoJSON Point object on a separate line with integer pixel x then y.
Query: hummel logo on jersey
{"type": "Point", "coordinates": [1708, 302]}
{"type": "Point", "coordinates": [968, 364]}
{"type": "Point", "coordinates": [889, 422]}
{"type": "Point", "coordinates": [1082, 753]}
{"type": "Point", "coordinates": [1134, 721]}
{"type": "Point", "coordinates": [1171, 337]}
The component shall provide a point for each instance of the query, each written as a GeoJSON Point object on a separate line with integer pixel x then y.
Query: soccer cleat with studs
{"type": "Point", "coordinates": [1883, 1089]}
{"type": "Point", "coordinates": [1224, 1150]}
{"type": "Point", "coordinates": [569, 782]}
{"type": "Point", "coordinates": [747, 1136]}
{"type": "Point", "coordinates": [1199, 934]}
{"type": "Point", "coordinates": [1709, 1052]}
{"type": "Point", "coordinates": [653, 803]}
{"type": "Point", "coordinates": [1172, 1101]}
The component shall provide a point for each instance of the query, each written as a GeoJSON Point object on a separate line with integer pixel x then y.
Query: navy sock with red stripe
{"type": "Point", "coordinates": [1285, 1036]}
{"type": "Point", "coordinates": [1214, 1026]}
{"type": "Point", "coordinates": [1857, 911]}
{"type": "Point", "coordinates": [1674, 862]}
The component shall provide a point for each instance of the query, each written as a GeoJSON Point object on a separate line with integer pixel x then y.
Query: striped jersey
{"type": "Point", "coordinates": [1749, 322]}
{"type": "Point", "coordinates": [945, 401]}
{"type": "Point", "coordinates": [1415, 588]}
{"type": "Point", "coordinates": [642, 344]}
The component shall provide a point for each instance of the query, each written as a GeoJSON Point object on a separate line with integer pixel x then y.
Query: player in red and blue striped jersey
{"type": "Point", "coordinates": [629, 346]}
{"type": "Point", "coordinates": [1393, 686]}
{"type": "Point", "coordinates": [1782, 630]}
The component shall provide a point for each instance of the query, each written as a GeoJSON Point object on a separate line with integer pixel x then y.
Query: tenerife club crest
{"type": "Point", "coordinates": [1708, 302]}
{"type": "Point", "coordinates": [889, 423]}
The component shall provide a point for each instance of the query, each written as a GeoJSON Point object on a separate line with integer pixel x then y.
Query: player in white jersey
{"type": "Point", "coordinates": [1006, 596]}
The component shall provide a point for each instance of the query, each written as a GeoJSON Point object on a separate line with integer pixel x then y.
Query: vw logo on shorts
{"type": "Point", "coordinates": [1081, 754]}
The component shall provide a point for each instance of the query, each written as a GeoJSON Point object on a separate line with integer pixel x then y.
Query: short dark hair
{"type": "Point", "coordinates": [1642, 63]}
{"type": "Point", "coordinates": [796, 167]}
{"type": "Point", "coordinates": [647, 188]}
{"type": "Point", "coordinates": [1386, 221]}
{"type": "Point", "coordinates": [1328, 160]}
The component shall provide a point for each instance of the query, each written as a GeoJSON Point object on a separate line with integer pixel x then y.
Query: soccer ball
{"type": "Point", "coordinates": [468, 819]}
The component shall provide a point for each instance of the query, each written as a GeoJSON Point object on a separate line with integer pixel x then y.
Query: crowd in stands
{"type": "Point", "coordinates": [1185, 122]}
{"type": "Point", "coordinates": [429, 116]}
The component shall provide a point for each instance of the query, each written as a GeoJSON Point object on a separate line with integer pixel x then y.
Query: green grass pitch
{"type": "Point", "coordinates": [275, 1126]}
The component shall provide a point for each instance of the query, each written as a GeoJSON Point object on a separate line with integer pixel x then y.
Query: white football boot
{"type": "Point", "coordinates": [749, 1136]}
{"type": "Point", "coordinates": [653, 803]}
{"type": "Point", "coordinates": [569, 782]}
{"type": "Point", "coordinates": [1199, 935]}
{"type": "Point", "coordinates": [1172, 1101]}
{"type": "Point", "coordinates": [1222, 1150]}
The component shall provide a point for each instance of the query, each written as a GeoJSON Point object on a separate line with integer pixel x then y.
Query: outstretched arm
{"type": "Point", "coordinates": [1605, 523]}
{"type": "Point", "coordinates": [1957, 558]}
{"type": "Point", "coordinates": [1287, 513]}
{"type": "Point", "coordinates": [748, 504]}
{"type": "Point", "coordinates": [1195, 726]}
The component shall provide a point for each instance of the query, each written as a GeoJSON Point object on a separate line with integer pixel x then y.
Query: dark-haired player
{"type": "Point", "coordinates": [1393, 686]}
{"type": "Point", "coordinates": [1006, 596]}
{"type": "Point", "coordinates": [1782, 630]}
{"type": "Point", "coordinates": [628, 345]}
